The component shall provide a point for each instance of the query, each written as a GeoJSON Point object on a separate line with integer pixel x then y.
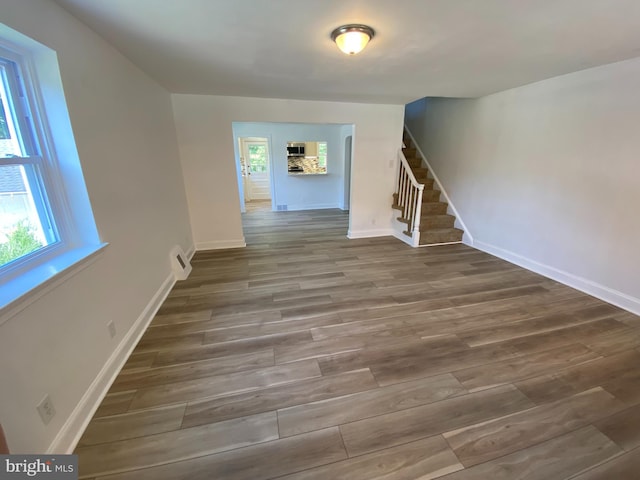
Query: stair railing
{"type": "Point", "coordinates": [409, 197]}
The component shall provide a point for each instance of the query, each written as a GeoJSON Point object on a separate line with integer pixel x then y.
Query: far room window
{"type": "Point", "coordinates": [322, 154]}
{"type": "Point", "coordinates": [46, 221]}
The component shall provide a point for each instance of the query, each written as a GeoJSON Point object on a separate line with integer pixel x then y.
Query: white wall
{"type": "Point", "coordinates": [205, 137]}
{"type": "Point", "coordinates": [300, 192]}
{"type": "Point", "coordinates": [546, 175]}
{"type": "Point", "coordinates": [126, 141]}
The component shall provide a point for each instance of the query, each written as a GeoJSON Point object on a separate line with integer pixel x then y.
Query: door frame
{"type": "Point", "coordinates": [239, 145]}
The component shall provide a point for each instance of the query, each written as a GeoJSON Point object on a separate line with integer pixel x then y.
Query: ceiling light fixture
{"type": "Point", "coordinates": [352, 39]}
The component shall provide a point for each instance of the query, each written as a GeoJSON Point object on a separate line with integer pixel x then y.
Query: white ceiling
{"type": "Point", "coordinates": [282, 49]}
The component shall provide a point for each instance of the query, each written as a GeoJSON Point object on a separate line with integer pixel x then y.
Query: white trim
{"type": "Point", "coordinates": [438, 244]}
{"type": "Point", "coordinates": [403, 238]}
{"type": "Point", "coordinates": [589, 287]}
{"type": "Point", "coordinates": [440, 187]}
{"type": "Point", "coordinates": [25, 289]}
{"type": "Point", "coordinates": [191, 252]}
{"type": "Point", "coordinates": [70, 433]}
{"type": "Point", "coordinates": [380, 232]}
{"type": "Point", "coordinates": [317, 206]}
{"type": "Point", "coordinates": [220, 244]}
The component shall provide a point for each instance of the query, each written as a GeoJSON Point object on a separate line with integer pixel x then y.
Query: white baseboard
{"type": "Point", "coordinates": [220, 244]}
{"type": "Point", "coordinates": [403, 238]}
{"type": "Point", "coordinates": [191, 252]}
{"type": "Point", "coordinates": [604, 293]}
{"type": "Point", "coordinates": [317, 206]}
{"type": "Point", "coordinates": [74, 427]}
{"type": "Point", "coordinates": [379, 232]}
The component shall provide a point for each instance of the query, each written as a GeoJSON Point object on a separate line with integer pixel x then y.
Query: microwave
{"type": "Point", "coordinates": [295, 150]}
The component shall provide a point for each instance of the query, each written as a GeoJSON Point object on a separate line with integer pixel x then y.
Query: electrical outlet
{"type": "Point", "coordinates": [112, 328]}
{"type": "Point", "coordinates": [46, 409]}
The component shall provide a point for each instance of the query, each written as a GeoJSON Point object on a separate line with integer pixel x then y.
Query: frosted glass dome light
{"type": "Point", "coordinates": [352, 39]}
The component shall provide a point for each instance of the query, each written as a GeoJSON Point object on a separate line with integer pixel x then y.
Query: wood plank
{"type": "Point", "coordinates": [224, 385]}
{"type": "Point", "coordinates": [612, 342]}
{"type": "Point", "coordinates": [626, 388]}
{"type": "Point", "coordinates": [557, 458]}
{"type": "Point", "coordinates": [281, 396]}
{"type": "Point", "coordinates": [335, 346]}
{"type": "Point", "coordinates": [163, 448]}
{"type": "Point", "coordinates": [139, 361]}
{"type": "Point", "coordinates": [520, 368]}
{"type": "Point", "coordinates": [575, 379]}
{"type": "Point", "coordinates": [432, 362]}
{"type": "Point", "coordinates": [377, 433]}
{"type": "Point", "coordinates": [426, 323]}
{"type": "Point", "coordinates": [623, 428]}
{"type": "Point", "coordinates": [423, 459]}
{"type": "Point", "coordinates": [181, 317]}
{"type": "Point", "coordinates": [337, 307]}
{"type": "Point", "coordinates": [507, 293]}
{"type": "Point", "coordinates": [169, 343]}
{"type": "Point", "coordinates": [546, 323]}
{"type": "Point", "coordinates": [412, 353]}
{"type": "Point", "coordinates": [132, 425]}
{"type": "Point", "coordinates": [150, 377]}
{"type": "Point", "coordinates": [264, 341]}
{"type": "Point", "coordinates": [623, 467]}
{"type": "Point", "coordinates": [231, 333]}
{"type": "Point", "coordinates": [565, 336]}
{"type": "Point", "coordinates": [115, 403]}
{"type": "Point", "coordinates": [357, 406]}
{"type": "Point", "coordinates": [217, 350]}
{"type": "Point", "coordinates": [488, 440]}
{"type": "Point", "coordinates": [257, 462]}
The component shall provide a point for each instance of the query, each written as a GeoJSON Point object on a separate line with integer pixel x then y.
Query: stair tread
{"type": "Point", "coordinates": [445, 230]}
{"type": "Point", "coordinates": [436, 216]}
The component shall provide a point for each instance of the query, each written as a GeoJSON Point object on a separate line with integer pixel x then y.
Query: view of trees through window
{"type": "Point", "coordinates": [25, 225]}
{"type": "Point", "coordinates": [322, 154]}
{"type": "Point", "coordinates": [258, 158]}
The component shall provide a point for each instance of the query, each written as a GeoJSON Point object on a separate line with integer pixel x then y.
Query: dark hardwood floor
{"type": "Point", "coordinates": [306, 355]}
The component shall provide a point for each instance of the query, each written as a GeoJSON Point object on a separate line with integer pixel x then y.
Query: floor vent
{"type": "Point", "coordinates": [179, 263]}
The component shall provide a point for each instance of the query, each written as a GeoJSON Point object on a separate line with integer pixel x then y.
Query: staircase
{"type": "Point", "coordinates": [419, 203]}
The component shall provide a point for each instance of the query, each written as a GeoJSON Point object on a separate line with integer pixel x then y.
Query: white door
{"type": "Point", "coordinates": [256, 158]}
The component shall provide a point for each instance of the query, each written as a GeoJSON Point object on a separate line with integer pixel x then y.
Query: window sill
{"type": "Point", "coordinates": [20, 292]}
{"type": "Point", "coordinates": [303, 174]}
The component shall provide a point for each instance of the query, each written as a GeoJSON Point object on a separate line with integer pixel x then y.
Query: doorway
{"type": "Point", "coordinates": [256, 166]}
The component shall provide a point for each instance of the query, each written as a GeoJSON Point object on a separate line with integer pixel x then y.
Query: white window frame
{"type": "Point", "coordinates": [76, 238]}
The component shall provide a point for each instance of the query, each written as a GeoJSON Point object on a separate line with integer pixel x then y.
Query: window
{"type": "Point", "coordinates": [46, 221]}
{"type": "Point", "coordinates": [258, 158]}
{"type": "Point", "coordinates": [322, 155]}
{"type": "Point", "coordinates": [26, 221]}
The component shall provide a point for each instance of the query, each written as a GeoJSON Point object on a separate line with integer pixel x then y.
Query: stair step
{"type": "Point", "coordinates": [431, 222]}
{"type": "Point", "coordinates": [434, 208]}
{"type": "Point", "coordinates": [414, 162]}
{"type": "Point", "coordinates": [430, 196]}
{"type": "Point", "coordinates": [441, 235]}
{"type": "Point", "coordinates": [409, 152]}
{"type": "Point", "coordinates": [419, 171]}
